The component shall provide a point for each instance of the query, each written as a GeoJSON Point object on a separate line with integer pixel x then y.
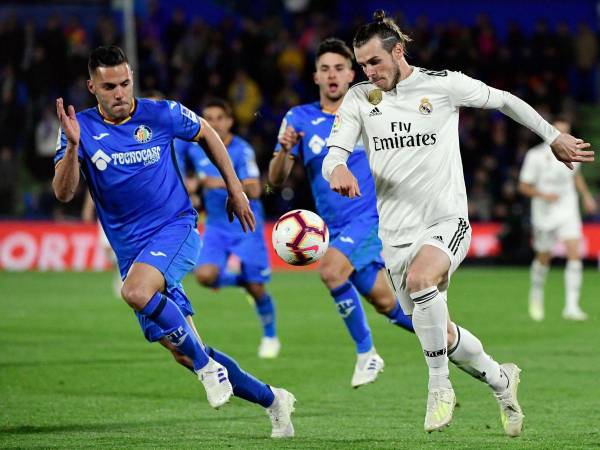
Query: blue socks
{"type": "Point", "coordinates": [265, 308]}
{"type": "Point", "coordinates": [244, 385]}
{"type": "Point", "coordinates": [227, 278]}
{"type": "Point", "coordinates": [351, 310]}
{"type": "Point", "coordinates": [167, 315]}
{"type": "Point", "coordinates": [397, 317]}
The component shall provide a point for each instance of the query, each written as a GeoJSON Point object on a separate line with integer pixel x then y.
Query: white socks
{"type": "Point", "coordinates": [573, 276]}
{"type": "Point", "coordinates": [430, 317]}
{"type": "Point", "coordinates": [468, 354]}
{"type": "Point", "coordinates": [538, 274]}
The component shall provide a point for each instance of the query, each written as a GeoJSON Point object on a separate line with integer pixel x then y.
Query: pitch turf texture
{"type": "Point", "coordinates": [76, 372]}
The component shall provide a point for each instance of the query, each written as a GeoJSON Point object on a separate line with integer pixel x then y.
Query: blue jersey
{"type": "Point", "coordinates": [131, 171]}
{"type": "Point", "coordinates": [244, 163]}
{"type": "Point", "coordinates": [337, 211]}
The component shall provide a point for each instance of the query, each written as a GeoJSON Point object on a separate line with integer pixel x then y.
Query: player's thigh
{"type": "Point", "coordinates": [215, 249]}
{"type": "Point", "coordinates": [207, 273]}
{"type": "Point", "coordinates": [573, 249]}
{"type": "Point", "coordinates": [429, 267]}
{"type": "Point", "coordinates": [335, 268]}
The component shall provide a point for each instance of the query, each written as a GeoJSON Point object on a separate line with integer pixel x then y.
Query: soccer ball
{"type": "Point", "coordinates": [300, 237]}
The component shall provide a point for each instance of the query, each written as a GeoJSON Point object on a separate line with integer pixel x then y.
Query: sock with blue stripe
{"type": "Point", "coordinates": [351, 310]}
{"type": "Point", "coordinates": [227, 278]}
{"type": "Point", "coordinates": [397, 317]}
{"type": "Point", "coordinates": [244, 385]}
{"type": "Point", "coordinates": [167, 315]}
{"type": "Point", "coordinates": [265, 308]}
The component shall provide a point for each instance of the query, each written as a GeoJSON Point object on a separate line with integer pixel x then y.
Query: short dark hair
{"type": "Point", "coordinates": [334, 45]}
{"type": "Point", "coordinates": [219, 103]}
{"type": "Point", "coordinates": [385, 29]}
{"type": "Point", "coordinates": [106, 56]}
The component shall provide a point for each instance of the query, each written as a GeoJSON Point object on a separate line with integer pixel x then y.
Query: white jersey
{"type": "Point", "coordinates": [411, 139]}
{"type": "Point", "coordinates": [549, 176]}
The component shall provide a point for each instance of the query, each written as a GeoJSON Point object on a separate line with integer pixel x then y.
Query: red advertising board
{"type": "Point", "coordinates": [66, 246]}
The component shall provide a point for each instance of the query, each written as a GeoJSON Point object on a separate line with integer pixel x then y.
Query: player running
{"type": "Point", "coordinates": [353, 262]}
{"type": "Point", "coordinates": [222, 237]}
{"type": "Point", "coordinates": [408, 120]}
{"type": "Point", "coordinates": [123, 149]}
{"type": "Point", "coordinates": [555, 216]}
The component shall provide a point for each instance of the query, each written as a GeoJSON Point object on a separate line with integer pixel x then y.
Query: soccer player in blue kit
{"type": "Point", "coordinates": [353, 262]}
{"type": "Point", "coordinates": [123, 148]}
{"type": "Point", "coordinates": [223, 238]}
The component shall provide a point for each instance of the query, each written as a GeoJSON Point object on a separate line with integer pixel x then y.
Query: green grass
{"type": "Point", "coordinates": [76, 372]}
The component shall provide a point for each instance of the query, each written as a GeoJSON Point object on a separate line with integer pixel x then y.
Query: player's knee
{"type": "Point", "coordinates": [331, 277]}
{"type": "Point", "coordinates": [206, 277]}
{"type": "Point", "coordinates": [543, 258]}
{"type": "Point", "coordinates": [136, 296]}
{"type": "Point", "coordinates": [256, 290]}
{"type": "Point", "coordinates": [383, 303]}
{"type": "Point", "coordinates": [417, 280]}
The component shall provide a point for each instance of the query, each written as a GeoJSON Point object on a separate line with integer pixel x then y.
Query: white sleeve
{"type": "Point", "coordinates": [347, 125]}
{"type": "Point", "coordinates": [335, 157]}
{"type": "Point", "coordinates": [529, 171]}
{"type": "Point", "coordinates": [466, 91]}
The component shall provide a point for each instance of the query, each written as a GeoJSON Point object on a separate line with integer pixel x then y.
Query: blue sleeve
{"type": "Point", "coordinates": [61, 147]}
{"type": "Point", "coordinates": [247, 167]}
{"type": "Point", "coordinates": [186, 124]}
{"type": "Point", "coordinates": [292, 120]}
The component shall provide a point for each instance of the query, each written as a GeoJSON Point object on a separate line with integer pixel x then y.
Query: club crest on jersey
{"type": "Point", "coordinates": [142, 134]}
{"type": "Point", "coordinates": [375, 96]}
{"type": "Point", "coordinates": [336, 122]}
{"type": "Point", "coordinates": [425, 107]}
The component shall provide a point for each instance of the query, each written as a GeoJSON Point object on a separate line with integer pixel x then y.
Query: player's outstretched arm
{"type": "Point", "coordinates": [237, 201]}
{"type": "Point", "coordinates": [337, 173]}
{"type": "Point", "coordinates": [281, 164]}
{"type": "Point", "coordinates": [565, 147]}
{"type": "Point", "coordinates": [66, 172]}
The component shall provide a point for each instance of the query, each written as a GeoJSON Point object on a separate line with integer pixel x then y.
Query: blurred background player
{"type": "Point", "coordinates": [223, 238]}
{"type": "Point", "coordinates": [88, 215]}
{"type": "Point", "coordinates": [353, 262]}
{"type": "Point", "coordinates": [122, 148]}
{"type": "Point", "coordinates": [555, 216]}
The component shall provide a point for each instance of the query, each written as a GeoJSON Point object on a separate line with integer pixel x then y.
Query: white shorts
{"type": "Point", "coordinates": [452, 236]}
{"type": "Point", "coordinates": [545, 240]}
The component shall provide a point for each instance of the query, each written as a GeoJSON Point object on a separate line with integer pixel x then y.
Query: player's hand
{"type": "Point", "coordinates": [343, 182]}
{"type": "Point", "coordinates": [289, 139]}
{"type": "Point", "coordinates": [568, 149]}
{"type": "Point", "coordinates": [550, 197]}
{"type": "Point", "coordinates": [68, 122]}
{"type": "Point", "coordinates": [239, 206]}
{"type": "Point", "coordinates": [589, 204]}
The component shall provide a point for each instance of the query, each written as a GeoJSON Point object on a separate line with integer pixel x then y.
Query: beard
{"type": "Point", "coordinates": [395, 78]}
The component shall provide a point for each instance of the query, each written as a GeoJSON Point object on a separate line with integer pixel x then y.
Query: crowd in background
{"type": "Point", "coordinates": [264, 67]}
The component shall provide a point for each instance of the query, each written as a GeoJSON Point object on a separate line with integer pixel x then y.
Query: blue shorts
{"type": "Point", "coordinates": [218, 244]}
{"type": "Point", "coordinates": [359, 242]}
{"type": "Point", "coordinates": [173, 251]}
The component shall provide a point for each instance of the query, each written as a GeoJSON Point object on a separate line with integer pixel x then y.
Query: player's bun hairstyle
{"type": "Point", "coordinates": [334, 45]}
{"type": "Point", "coordinates": [219, 103]}
{"type": "Point", "coordinates": [106, 56]}
{"type": "Point", "coordinates": [385, 29]}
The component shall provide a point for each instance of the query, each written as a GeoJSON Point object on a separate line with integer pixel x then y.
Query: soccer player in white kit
{"type": "Point", "coordinates": [555, 216]}
{"type": "Point", "coordinates": [407, 118]}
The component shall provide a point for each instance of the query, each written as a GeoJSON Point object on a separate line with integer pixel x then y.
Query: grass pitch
{"type": "Point", "coordinates": [76, 372]}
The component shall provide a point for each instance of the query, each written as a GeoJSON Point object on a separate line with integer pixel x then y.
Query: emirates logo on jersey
{"type": "Point", "coordinates": [425, 107]}
{"type": "Point", "coordinates": [142, 134]}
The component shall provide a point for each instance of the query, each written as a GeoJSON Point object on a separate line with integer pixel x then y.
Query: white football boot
{"type": "Point", "coordinates": [536, 309]}
{"type": "Point", "coordinates": [216, 383]}
{"type": "Point", "coordinates": [440, 407]}
{"type": "Point", "coordinates": [511, 414]}
{"type": "Point", "coordinates": [280, 413]}
{"type": "Point", "coordinates": [367, 369]}
{"type": "Point", "coordinates": [575, 314]}
{"type": "Point", "coordinates": [269, 347]}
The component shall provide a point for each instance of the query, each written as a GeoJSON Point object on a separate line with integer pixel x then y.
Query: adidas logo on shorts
{"type": "Point", "coordinates": [438, 238]}
{"type": "Point", "coordinates": [375, 112]}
